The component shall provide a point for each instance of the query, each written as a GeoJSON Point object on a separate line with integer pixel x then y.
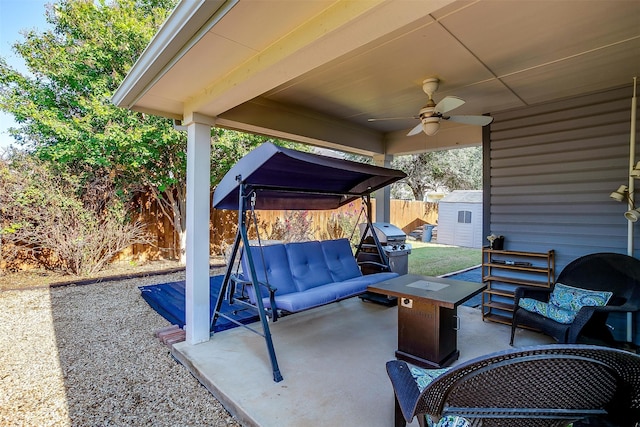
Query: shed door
{"type": "Point", "coordinates": [463, 235]}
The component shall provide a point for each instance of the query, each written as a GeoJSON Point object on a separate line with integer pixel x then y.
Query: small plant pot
{"type": "Point", "coordinates": [498, 243]}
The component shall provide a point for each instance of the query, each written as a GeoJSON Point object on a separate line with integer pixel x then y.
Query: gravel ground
{"type": "Point", "coordinates": [87, 356]}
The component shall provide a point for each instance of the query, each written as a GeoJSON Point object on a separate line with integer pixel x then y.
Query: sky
{"type": "Point", "coordinates": [15, 16]}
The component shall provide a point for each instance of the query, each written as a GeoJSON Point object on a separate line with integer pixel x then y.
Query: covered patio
{"type": "Point", "coordinates": [556, 77]}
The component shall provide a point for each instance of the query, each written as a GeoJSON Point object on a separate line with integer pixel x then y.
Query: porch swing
{"type": "Point", "coordinates": [275, 178]}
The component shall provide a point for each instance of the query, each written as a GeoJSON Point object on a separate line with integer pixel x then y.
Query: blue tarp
{"type": "Point", "coordinates": [169, 301]}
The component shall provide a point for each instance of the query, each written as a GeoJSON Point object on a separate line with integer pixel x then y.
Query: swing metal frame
{"type": "Point", "coordinates": [272, 177]}
{"type": "Point", "coordinates": [246, 204]}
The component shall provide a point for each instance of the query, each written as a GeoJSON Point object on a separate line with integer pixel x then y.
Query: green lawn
{"type": "Point", "coordinates": [432, 259]}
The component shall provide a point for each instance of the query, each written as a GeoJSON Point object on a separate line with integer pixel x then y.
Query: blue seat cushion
{"type": "Point", "coordinates": [358, 285]}
{"type": "Point", "coordinates": [340, 260]}
{"type": "Point", "coordinates": [301, 275]}
{"type": "Point", "coordinates": [308, 266]}
{"type": "Point", "coordinates": [347, 288]}
{"type": "Point", "coordinates": [379, 277]}
{"type": "Point", "coordinates": [274, 270]}
{"type": "Point", "coordinates": [300, 301]}
{"type": "Point", "coordinates": [325, 294]}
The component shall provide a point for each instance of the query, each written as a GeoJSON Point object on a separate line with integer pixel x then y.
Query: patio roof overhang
{"type": "Point", "coordinates": [315, 71]}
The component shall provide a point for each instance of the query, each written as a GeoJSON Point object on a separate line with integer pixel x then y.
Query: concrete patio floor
{"type": "Point", "coordinates": [332, 359]}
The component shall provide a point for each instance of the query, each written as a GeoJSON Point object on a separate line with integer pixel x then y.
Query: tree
{"type": "Point", "coordinates": [457, 169]}
{"type": "Point", "coordinates": [63, 107]}
{"type": "Point", "coordinates": [446, 170]}
{"type": "Point", "coordinates": [64, 112]}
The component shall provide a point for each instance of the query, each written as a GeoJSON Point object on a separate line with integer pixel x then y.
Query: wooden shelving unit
{"type": "Point", "coordinates": [503, 271]}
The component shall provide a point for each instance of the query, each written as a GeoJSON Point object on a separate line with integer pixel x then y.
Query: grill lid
{"type": "Point", "coordinates": [386, 233]}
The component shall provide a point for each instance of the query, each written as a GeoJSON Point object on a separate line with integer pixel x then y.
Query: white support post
{"type": "Point", "coordinates": [197, 220]}
{"type": "Point", "coordinates": [383, 196]}
{"type": "Point", "coordinates": [632, 162]}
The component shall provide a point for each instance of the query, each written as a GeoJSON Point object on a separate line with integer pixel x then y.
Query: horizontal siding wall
{"type": "Point", "coordinates": [552, 168]}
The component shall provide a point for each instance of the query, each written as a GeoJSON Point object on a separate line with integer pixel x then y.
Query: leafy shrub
{"type": "Point", "coordinates": [344, 223]}
{"type": "Point", "coordinates": [297, 226]}
{"type": "Point", "coordinates": [59, 223]}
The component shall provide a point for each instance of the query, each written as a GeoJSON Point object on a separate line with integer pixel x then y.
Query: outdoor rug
{"type": "Point", "coordinates": [472, 275]}
{"type": "Point", "coordinates": [168, 300]}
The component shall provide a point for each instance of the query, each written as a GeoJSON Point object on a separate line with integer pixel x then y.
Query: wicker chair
{"type": "Point", "coordinates": [600, 271]}
{"type": "Point", "coordinates": [549, 385]}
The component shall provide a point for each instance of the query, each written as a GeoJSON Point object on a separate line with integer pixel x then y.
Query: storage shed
{"type": "Point", "coordinates": [460, 219]}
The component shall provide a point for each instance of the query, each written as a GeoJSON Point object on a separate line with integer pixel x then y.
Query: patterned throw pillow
{"type": "Point", "coordinates": [550, 311]}
{"type": "Point", "coordinates": [424, 377]}
{"type": "Point", "coordinates": [453, 421]}
{"type": "Point", "coordinates": [574, 299]}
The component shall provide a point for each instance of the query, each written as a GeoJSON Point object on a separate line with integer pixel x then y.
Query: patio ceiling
{"type": "Point", "coordinates": [314, 71]}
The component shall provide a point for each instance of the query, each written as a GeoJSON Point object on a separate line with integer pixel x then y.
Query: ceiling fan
{"type": "Point", "coordinates": [431, 114]}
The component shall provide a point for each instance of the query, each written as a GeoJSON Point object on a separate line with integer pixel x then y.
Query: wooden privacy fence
{"type": "Point", "coordinates": [407, 215]}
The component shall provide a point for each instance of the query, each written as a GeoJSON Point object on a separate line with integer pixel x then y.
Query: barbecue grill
{"type": "Point", "coordinates": [394, 244]}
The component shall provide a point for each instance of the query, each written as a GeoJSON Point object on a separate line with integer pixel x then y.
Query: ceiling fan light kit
{"type": "Point", "coordinates": [430, 125]}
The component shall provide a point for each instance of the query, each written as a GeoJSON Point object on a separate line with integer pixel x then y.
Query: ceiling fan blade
{"type": "Point", "coordinates": [392, 118]}
{"type": "Point", "coordinates": [416, 130]}
{"type": "Point", "coordinates": [471, 120]}
{"type": "Point", "coordinates": [448, 104]}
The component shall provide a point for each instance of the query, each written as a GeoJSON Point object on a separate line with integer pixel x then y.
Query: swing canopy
{"type": "Point", "coordinates": [289, 179]}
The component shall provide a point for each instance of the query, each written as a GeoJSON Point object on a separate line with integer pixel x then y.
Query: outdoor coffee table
{"type": "Point", "coordinates": [427, 316]}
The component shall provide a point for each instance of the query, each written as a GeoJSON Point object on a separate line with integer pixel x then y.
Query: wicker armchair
{"type": "Point", "coordinates": [550, 385]}
{"type": "Point", "coordinates": [613, 272]}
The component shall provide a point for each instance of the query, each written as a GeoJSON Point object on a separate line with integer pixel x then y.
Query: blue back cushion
{"type": "Point", "coordinates": [308, 266]}
{"type": "Point", "coordinates": [277, 268]}
{"type": "Point", "coordinates": [342, 265]}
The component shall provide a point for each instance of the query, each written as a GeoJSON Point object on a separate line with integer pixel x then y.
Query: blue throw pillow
{"type": "Point", "coordinates": [550, 311]}
{"type": "Point", "coordinates": [574, 299]}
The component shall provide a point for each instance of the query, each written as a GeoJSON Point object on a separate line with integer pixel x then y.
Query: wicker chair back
{"type": "Point", "coordinates": [552, 385]}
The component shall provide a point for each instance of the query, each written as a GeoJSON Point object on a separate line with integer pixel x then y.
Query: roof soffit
{"type": "Point", "coordinates": [337, 30]}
